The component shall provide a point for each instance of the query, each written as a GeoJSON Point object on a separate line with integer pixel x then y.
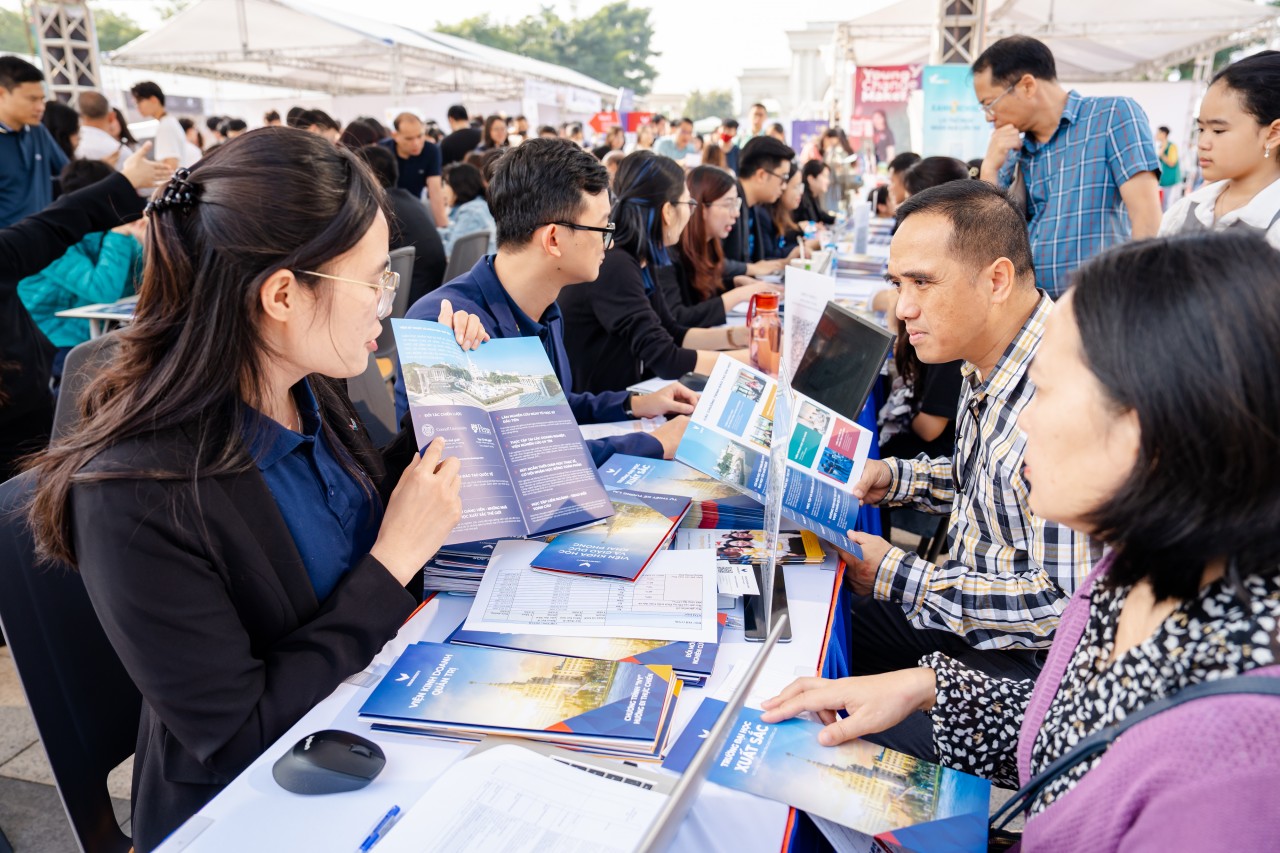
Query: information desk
{"type": "Point", "coordinates": [254, 813]}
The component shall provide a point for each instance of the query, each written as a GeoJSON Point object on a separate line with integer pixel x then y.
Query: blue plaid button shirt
{"type": "Point", "coordinates": [1009, 573]}
{"type": "Point", "coordinates": [1073, 182]}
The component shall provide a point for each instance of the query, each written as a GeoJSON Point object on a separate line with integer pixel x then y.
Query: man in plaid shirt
{"type": "Point", "coordinates": [961, 263]}
{"type": "Point", "coordinates": [1085, 167]}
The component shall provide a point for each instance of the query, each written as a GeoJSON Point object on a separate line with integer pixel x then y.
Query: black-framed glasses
{"type": "Point", "coordinates": [691, 204]}
{"type": "Point", "coordinates": [962, 474]}
{"type": "Point", "coordinates": [386, 286]}
{"type": "Point", "coordinates": [784, 177]}
{"type": "Point", "coordinates": [989, 110]}
{"type": "Point", "coordinates": [606, 232]}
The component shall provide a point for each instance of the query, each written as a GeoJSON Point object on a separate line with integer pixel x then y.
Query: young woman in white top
{"type": "Point", "coordinates": [1239, 153]}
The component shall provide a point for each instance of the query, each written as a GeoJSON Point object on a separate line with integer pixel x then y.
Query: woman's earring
{"type": "Point", "coordinates": [1266, 152]}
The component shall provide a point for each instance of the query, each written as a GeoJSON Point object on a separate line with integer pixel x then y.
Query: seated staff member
{"type": "Point", "coordinates": [695, 293]}
{"type": "Point", "coordinates": [1125, 433]}
{"type": "Point", "coordinates": [779, 224]}
{"type": "Point", "coordinates": [1009, 573]}
{"type": "Point", "coordinates": [237, 533]}
{"type": "Point", "coordinates": [550, 202]}
{"type": "Point", "coordinates": [816, 176]}
{"type": "Point", "coordinates": [763, 172]}
{"type": "Point", "coordinates": [618, 329]}
{"type": "Point", "coordinates": [1239, 149]}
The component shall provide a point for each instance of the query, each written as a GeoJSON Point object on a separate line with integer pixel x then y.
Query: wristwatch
{"type": "Point", "coordinates": [626, 407]}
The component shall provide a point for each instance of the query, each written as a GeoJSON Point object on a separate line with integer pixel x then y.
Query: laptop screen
{"type": "Point", "coordinates": [842, 361]}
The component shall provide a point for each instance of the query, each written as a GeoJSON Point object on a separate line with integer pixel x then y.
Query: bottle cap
{"type": "Point", "coordinates": [766, 302]}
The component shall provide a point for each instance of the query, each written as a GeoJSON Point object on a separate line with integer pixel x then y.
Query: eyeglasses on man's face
{"type": "Point", "coordinates": [386, 286]}
{"type": "Point", "coordinates": [606, 232]}
{"type": "Point", "coordinates": [989, 110]}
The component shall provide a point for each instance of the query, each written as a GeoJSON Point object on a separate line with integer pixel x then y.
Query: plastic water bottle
{"type": "Point", "coordinates": [766, 333]}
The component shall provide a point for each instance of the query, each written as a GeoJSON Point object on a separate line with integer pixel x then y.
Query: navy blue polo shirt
{"type": "Point", "coordinates": [415, 170]}
{"type": "Point", "coordinates": [29, 161]}
{"type": "Point", "coordinates": [333, 520]}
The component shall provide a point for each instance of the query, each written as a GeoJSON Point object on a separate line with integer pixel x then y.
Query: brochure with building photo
{"type": "Point", "coordinates": [525, 468]}
{"type": "Point", "coordinates": [731, 433]}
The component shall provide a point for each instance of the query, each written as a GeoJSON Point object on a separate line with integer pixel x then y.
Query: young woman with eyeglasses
{"type": "Point", "coordinates": [243, 543]}
{"type": "Point", "coordinates": [695, 293]}
{"type": "Point", "coordinates": [619, 328]}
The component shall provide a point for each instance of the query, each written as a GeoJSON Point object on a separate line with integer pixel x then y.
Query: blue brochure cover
{"type": "Point", "coordinates": [620, 548]}
{"type": "Point", "coordinates": [692, 662]}
{"type": "Point", "coordinates": [525, 468]}
{"type": "Point", "coordinates": [474, 689]}
{"type": "Point", "coordinates": [875, 791]}
{"type": "Point", "coordinates": [715, 504]}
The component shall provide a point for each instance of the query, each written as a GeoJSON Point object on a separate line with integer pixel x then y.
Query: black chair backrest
{"type": "Point", "coordinates": [402, 262]}
{"type": "Point", "coordinates": [82, 364]}
{"type": "Point", "coordinates": [372, 399]}
{"type": "Point", "coordinates": [85, 706]}
{"type": "Point", "coordinates": [467, 249]}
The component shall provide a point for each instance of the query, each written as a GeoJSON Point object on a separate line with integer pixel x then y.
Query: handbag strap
{"type": "Point", "coordinates": [1099, 741]}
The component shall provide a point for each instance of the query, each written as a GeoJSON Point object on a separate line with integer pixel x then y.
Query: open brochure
{"type": "Point", "coordinates": [502, 412]}
{"type": "Point", "coordinates": [731, 434]}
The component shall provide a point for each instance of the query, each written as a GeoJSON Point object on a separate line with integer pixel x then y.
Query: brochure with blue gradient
{"type": "Point", "coordinates": [470, 690]}
{"type": "Point", "coordinates": [892, 799]}
{"type": "Point", "coordinates": [525, 468]}
{"type": "Point", "coordinates": [715, 504]}
{"type": "Point", "coordinates": [619, 549]}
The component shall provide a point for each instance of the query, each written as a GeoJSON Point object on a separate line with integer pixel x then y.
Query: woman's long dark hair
{"type": "Point", "coordinates": [62, 122]}
{"type": "Point", "coordinates": [644, 183]}
{"type": "Point", "coordinates": [1185, 332]}
{"type": "Point", "coordinates": [703, 255]}
{"type": "Point", "coordinates": [272, 199]}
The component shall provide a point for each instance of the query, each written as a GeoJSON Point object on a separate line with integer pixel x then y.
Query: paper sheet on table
{"type": "Point", "coordinates": [674, 599]}
{"type": "Point", "coordinates": [736, 579]}
{"type": "Point", "coordinates": [517, 801]}
{"type": "Point", "coordinates": [607, 430]}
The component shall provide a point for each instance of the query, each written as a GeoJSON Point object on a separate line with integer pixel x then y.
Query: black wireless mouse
{"type": "Point", "coordinates": [329, 762]}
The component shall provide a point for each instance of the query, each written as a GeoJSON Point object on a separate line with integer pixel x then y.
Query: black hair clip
{"type": "Point", "coordinates": [179, 192]}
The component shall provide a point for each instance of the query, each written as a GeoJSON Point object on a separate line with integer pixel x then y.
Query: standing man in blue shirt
{"type": "Point", "coordinates": [29, 157]}
{"type": "Point", "coordinates": [1088, 165]}
{"type": "Point", "coordinates": [550, 202]}
{"type": "Point", "coordinates": [419, 163]}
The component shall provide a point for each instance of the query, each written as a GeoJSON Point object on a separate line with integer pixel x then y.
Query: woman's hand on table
{"type": "Point", "coordinates": [467, 328]}
{"type": "Point", "coordinates": [421, 512]}
{"type": "Point", "coordinates": [675, 399]}
{"type": "Point", "coordinates": [873, 703]}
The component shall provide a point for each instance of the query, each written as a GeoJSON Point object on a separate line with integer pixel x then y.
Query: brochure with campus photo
{"type": "Point", "coordinates": [731, 433]}
{"type": "Point", "coordinates": [748, 546]}
{"type": "Point", "coordinates": [502, 412]}
{"type": "Point", "coordinates": [471, 690]}
{"type": "Point", "coordinates": [715, 504]}
{"type": "Point", "coordinates": [888, 798]}
{"type": "Point", "coordinates": [619, 549]}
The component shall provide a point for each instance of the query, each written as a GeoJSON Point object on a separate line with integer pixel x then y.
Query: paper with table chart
{"type": "Point", "coordinates": [675, 598]}
{"type": "Point", "coordinates": [514, 800]}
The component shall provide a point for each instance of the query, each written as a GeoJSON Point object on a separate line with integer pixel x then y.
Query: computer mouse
{"type": "Point", "coordinates": [329, 762]}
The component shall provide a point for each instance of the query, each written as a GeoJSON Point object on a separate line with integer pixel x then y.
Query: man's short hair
{"type": "Point", "coordinates": [93, 105]}
{"type": "Point", "coordinates": [985, 224]}
{"type": "Point", "coordinates": [234, 125]}
{"type": "Point", "coordinates": [657, 118]}
{"type": "Point", "coordinates": [903, 161]}
{"type": "Point", "coordinates": [763, 152]}
{"type": "Point", "coordinates": [684, 120]}
{"type": "Point", "coordinates": [539, 182]}
{"type": "Point", "coordinates": [548, 130]}
{"type": "Point", "coordinates": [759, 107]}
{"type": "Point", "coordinates": [14, 72]}
{"type": "Point", "coordinates": [317, 118]}
{"type": "Point", "coordinates": [403, 117]}
{"type": "Point", "coordinates": [575, 128]}
{"type": "Point", "coordinates": [382, 162]}
{"type": "Point", "coordinates": [213, 123]}
{"type": "Point", "coordinates": [295, 113]}
{"type": "Point", "coordinates": [730, 123]}
{"type": "Point", "coordinates": [271, 116]}
{"type": "Point", "coordinates": [1013, 56]}
{"type": "Point", "coordinates": [147, 89]}
{"type": "Point", "coordinates": [1164, 129]}
{"type": "Point", "coordinates": [457, 112]}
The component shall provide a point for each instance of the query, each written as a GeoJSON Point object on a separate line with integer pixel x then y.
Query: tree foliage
{"type": "Point", "coordinates": [613, 45]}
{"type": "Point", "coordinates": [114, 29]}
{"type": "Point", "coordinates": [12, 37]}
{"type": "Point", "coordinates": [713, 102]}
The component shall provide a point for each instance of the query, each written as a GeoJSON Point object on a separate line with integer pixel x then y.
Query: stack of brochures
{"type": "Point", "coordinates": [715, 504]}
{"type": "Point", "coordinates": [862, 796]}
{"type": "Point", "coordinates": [466, 692]}
{"type": "Point", "coordinates": [692, 662]}
{"type": "Point", "coordinates": [458, 568]}
{"type": "Point", "coordinates": [642, 525]}
{"type": "Point", "coordinates": [746, 547]}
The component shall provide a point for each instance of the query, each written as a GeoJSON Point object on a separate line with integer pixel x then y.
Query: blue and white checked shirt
{"type": "Point", "coordinates": [1073, 182]}
{"type": "Point", "coordinates": [1009, 573]}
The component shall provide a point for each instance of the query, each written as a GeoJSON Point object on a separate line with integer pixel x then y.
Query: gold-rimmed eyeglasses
{"type": "Point", "coordinates": [386, 286]}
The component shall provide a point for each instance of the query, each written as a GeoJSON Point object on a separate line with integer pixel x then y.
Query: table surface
{"type": "Point", "coordinates": [101, 311]}
{"type": "Point", "coordinates": [253, 813]}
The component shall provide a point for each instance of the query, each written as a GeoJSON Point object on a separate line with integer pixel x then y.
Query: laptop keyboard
{"type": "Point", "coordinates": [613, 777]}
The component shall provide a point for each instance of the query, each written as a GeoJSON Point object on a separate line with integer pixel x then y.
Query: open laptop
{"type": "Point", "coordinates": [680, 791]}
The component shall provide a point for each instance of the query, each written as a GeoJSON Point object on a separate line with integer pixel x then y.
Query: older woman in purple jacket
{"type": "Point", "coordinates": [1154, 428]}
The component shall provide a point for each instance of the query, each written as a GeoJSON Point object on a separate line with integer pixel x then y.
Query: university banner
{"type": "Point", "coordinates": [879, 122]}
{"type": "Point", "coordinates": [954, 125]}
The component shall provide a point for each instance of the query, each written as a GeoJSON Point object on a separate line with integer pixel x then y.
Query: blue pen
{"type": "Point", "coordinates": [380, 829]}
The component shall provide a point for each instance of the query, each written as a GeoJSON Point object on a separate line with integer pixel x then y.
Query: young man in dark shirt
{"type": "Point", "coordinates": [763, 170]}
{"type": "Point", "coordinates": [550, 202]}
{"type": "Point", "coordinates": [462, 140]}
{"type": "Point", "coordinates": [419, 162]}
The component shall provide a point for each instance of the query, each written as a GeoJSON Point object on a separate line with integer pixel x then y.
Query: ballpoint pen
{"type": "Point", "coordinates": [381, 828]}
